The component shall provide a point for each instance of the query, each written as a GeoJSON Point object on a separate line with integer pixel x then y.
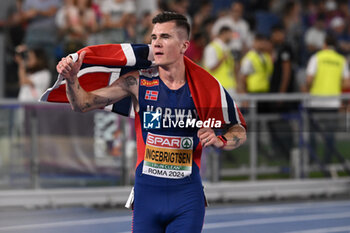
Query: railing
{"type": "Point", "coordinates": [47, 145]}
{"type": "Point", "coordinates": [301, 116]}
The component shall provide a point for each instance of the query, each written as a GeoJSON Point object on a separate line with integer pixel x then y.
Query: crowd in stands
{"type": "Point", "coordinates": [222, 31]}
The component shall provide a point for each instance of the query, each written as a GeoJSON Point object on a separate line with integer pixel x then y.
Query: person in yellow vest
{"type": "Point", "coordinates": [219, 61]}
{"type": "Point", "coordinates": [327, 73]}
{"type": "Point", "coordinates": [256, 70]}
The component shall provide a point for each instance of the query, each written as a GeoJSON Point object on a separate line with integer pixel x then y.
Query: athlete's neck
{"type": "Point", "coordinates": [173, 75]}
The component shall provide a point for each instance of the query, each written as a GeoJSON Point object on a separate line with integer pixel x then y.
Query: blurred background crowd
{"type": "Point", "coordinates": [223, 31]}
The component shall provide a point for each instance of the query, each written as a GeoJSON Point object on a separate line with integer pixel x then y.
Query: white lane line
{"type": "Point", "coordinates": [324, 230]}
{"type": "Point", "coordinates": [278, 208]}
{"type": "Point", "coordinates": [298, 218]}
{"type": "Point", "coordinates": [67, 223]}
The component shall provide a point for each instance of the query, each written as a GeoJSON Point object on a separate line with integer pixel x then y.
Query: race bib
{"type": "Point", "coordinates": [168, 156]}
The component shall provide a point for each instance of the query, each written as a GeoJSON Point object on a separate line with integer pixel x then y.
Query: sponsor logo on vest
{"type": "Point", "coordinates": [149, 83]}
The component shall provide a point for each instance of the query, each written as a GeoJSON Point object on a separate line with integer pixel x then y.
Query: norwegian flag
{"type": "Point", "coordinates": [151, 95]}
{"type": "Point", "coordinates": [103, 64]}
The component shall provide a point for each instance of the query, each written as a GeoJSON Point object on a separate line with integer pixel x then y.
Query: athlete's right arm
{"type": "Point", "coordinates": [83, 101]}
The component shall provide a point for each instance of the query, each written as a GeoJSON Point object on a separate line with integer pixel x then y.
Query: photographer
{"type": "Point", "coordinates": [33, 73]}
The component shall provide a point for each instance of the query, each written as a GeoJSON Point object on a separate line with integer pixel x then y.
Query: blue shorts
{"type": "Point", "coordinates": [168, 209]}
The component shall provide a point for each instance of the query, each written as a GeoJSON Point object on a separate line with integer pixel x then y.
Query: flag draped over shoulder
{"type": "Point", "coordinates": [103, 64]}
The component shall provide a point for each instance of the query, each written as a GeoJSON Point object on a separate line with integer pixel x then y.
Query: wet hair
{"type": "Point", "coordinates": [179, 19]}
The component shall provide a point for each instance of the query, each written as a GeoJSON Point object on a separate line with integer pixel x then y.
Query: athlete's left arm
{"type": "Point", "coordinates": [234, 137]}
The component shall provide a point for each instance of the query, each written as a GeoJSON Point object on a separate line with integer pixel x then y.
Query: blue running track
{"type": "Point", "coordinates": [296, 217]}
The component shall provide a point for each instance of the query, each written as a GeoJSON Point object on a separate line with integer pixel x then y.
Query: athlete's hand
{"type": "Point", "coordinates": [68, 68]}
{"type": "Point", "coordinates": [208, 137]}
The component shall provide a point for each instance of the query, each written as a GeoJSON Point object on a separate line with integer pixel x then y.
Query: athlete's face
{"type": "Point", "coordinates": [169, 43]}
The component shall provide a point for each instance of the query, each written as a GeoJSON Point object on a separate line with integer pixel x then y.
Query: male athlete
{"type": "Point", "coordinates": [168, 190]}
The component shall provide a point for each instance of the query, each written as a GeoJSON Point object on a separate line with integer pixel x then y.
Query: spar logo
{"type": "Point", "coordinates": [151, 120]}
{"type": "Point", "coordinates": [172, 142]}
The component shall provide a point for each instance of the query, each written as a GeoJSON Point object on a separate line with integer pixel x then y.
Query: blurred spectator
{"type": "Point", "coordinates": [14, 29]}
{"type": "Point", "coordinates": [344, 9]}
{"type": "Point", "coordinates": [88, 20]}
{"type": "Point", "coordinates": [96, 6]}
{"type": "Point", "coordinates": [256, 68]}
{"type": "Point", "coordinates": [239, 27]}
{"type": "Point", "coordinates": [329, 78]}
{"type": "Point", "coordinates": [327, 74]}
{"type": "Point", "coordinates": [76, 20]}
{"type": "Point", "coordinates": [200, 15]}
{"type": "Point", "coordinates": [65, 19]}
{"type": "Point", "coordinates": [33, 73]}
{"type": "Point", "coordinates": [196, 48]}
{"type": "Point", "coordinates": [219, 61]}
{"type": "Point", "coordinates": [131, 29]}
{"type": "Point", "coordinates": [293, 26]}
{"type": "Point", "coordinates": [145, 29]}
{"type": "Point", "coordinates": [332, 11]}
{"type": "Point", "coordinates": [337, 27]}
{"type": "Point", "coordinates": [41, 27]}
{"type": "Point", "coordinates": [315, 35]}
{"type": "Point", "coordinates": [282, 81]}
{"type": "Point", "coordinates": [338, 30]}
{"type": "Point", "coordinates": [15, 24]}
{"type": "Point", "coordinates": [311, 13]}
{"type": "Point", "coordinates": [180, 6]}
{"type": "Point", "coordinates": [116, 16]}
{"type": "Point", "coordinates": [207, 28]}
{"type": "Point", "coordinates": [344, 43]}
{"type": "Point", "coordinates": [265, 19]}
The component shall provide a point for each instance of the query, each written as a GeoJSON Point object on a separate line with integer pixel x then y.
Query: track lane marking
{"type": "Point", "coordinates": [324, 230]}
{"type": "Point", "coordinates": [261, 221]}
{"type": "Point", "coordinates": [67, 223]}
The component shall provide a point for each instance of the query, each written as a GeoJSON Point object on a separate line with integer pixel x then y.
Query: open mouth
{"type": "Point", "coordinates": [158, 53]}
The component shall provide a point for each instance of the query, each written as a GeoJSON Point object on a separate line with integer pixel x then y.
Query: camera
{"type": "Point", "coordinates": [23, 54]}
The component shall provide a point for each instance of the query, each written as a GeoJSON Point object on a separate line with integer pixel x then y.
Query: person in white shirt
{"type": "Point", "coordinates": [315, 35]}
{"type": "Point", "coordinates": [34, 76]}
{"type": "Point", "coordinates": [116, 15]}
{"type": "Point", "coordinates": [240, 28]}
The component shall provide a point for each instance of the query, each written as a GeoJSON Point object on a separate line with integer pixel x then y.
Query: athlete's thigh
{"type": "Point", "coordinates": [189, 222]}
{"type": "Point", "coordinates": [143, 223]}
{"type": "Point", "coordinates": [190, 215]}
{"type": "Point", "coordinates": [146, 215]}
